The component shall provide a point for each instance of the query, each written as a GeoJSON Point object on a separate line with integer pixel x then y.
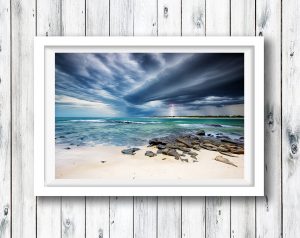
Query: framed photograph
{"type": "Point", "coordinates": [149, 116]}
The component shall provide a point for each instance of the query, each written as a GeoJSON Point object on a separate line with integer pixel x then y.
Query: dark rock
{"type": "Point", "coordinates": [194, 157]}
{"type": "Point", "coordinates": [130, 151]}
{"type": "Point", "coordinates": [150, 153]}
{"type": "Point", "coordinates": [184, 149]}
{"type": "Point", "coordinates": [67, 148]}
{"type": "Point", "coordinates": [164, 158]}
{"type": "Point", "coordinates": [103, 161]}
{"type": "Point", "coordinates": [171, 152]}
{"type": "Point", "coordinates": [194, 161]}
{"type": "Point", "coordinates": [200, 133]}
{"type": "Point", "coordinates": [185, 160]}
{"type": "Point", "coordinates": [185, 142]}
{"type": "Point", "coordinates": [158, 151]}
{"type": "Point", "coordinates": [192, 153]}
{"type": "Point", "coordinates": [241, 138]}
{"type": "Point", "coordinates": [160, 146]}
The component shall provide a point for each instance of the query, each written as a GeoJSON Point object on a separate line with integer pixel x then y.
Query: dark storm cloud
{"type": "Point", "coordinates": [145, 83]}
{"type": "Point", "coordinates": [200, 76]}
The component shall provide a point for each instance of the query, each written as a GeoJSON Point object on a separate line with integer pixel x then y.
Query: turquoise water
{"type": "Point", "coordinates": [138, 131]}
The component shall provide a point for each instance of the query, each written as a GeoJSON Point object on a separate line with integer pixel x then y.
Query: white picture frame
{"type": "Point", "coordinates": [45, 183]}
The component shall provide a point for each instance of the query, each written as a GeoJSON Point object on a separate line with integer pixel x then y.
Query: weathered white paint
{"type": "Point", "coordinates": [23, 18]}
{"type": "Point", "coordinates": [268, 208]}
{"type": "Point", "coordinates": [48, 23]}
{"type": "Point", "coordinates": [5, 120]}
{"type": "Point", "coordinates": [125, 217]}
{"type": "Point", "coordinates": [290, 118]}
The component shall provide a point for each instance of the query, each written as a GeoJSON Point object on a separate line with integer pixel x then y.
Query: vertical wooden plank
{"type": "Point", "coordinates": [218, 208]}
{"type": "Point", "coordinates": [97, 217]}
{"type": "Point", "coordinates": [23, 200]}
{"type": "Point", "coordinates": [242, 18]}
{"type": "Point", "coordinates": [145, 208]}
{"type": "Point", "coordinates": [193, 17]}
{"type": "Point", "coordinates": [73, 17]}
{"type": "Point", "coordinates": [97, 208]}
{"type": "Point", "coordinates": [169, 217]}
{"type": "Point", "coordinates": [121, 17]}
{"type": "Point", "coordinates": [193, 217]}
{"type": "Point", "coordinates": [193, 208]}
{"type": "Point", "coordinates": [145, 217]}
{"type": "Point", "coordinates": [5, 120]}
{"type": "Point", "coordinates": [169, 208]}
{"type": "Point", "coordinates": [268, 208]}
{"type": "Point", "coordinates": [121, 208]}
{"type": "Point", "coordinates": [145, 17]}
{"type": "Point", "coordinates": [121, 217]}
{"type": "Point", "coordinates": [48, 208]}
{"type": "Point", "coordinates": [218, 17]}
{"type": "Point", "coordinates": [242, 208]}
{"type": "Point", "coordinates": [169, 17]}
{"type": "Point", "coordinates": [290, 117]}
{"type": "Point", "coordinates": [97, 18]}
{"type": "Point", "coordinates": [73, 208]}
{"type": "Point", "coordinates": [73, 217]}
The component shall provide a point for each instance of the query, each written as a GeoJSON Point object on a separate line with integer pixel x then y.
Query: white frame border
{"type": "Point", "coordinates": [63, 188]}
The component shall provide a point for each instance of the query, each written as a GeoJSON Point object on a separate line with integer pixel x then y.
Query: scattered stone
{"type": "Point", "coordinates": [224, 160]}
{"type": "Point", "coordinates": [194, 157]}
{"type": "Point", "coordinates": [200, 133]}
{"type": "Point", "coordinates": [130, 151]}
{"type": "Point", "coordinates": [192, 153]}
{"type": "Point", "coordinates": [194, 161]}
{"type": "Point", "coordinates": [164, 158]}
{"type": "Point", "coordinates": [184, 160]}
{"type": "Point", "coordinates": [103, 161]}
{"type": "Point", "coordinates": [67, 148]}
{"type": "Point", "coordinates": [150, 153]}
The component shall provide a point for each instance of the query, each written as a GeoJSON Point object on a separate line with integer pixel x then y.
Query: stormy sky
{"type": "Point", "coordinates": [148, 84]}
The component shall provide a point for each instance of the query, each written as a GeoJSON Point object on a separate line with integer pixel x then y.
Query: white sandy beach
{"type": "Point", "coordinates": [108, 162]}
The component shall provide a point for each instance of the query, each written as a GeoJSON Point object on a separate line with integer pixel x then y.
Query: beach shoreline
{"type": "Point", "coordinates": [108, 162]}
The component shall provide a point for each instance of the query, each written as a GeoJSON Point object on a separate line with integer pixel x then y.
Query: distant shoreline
{"type": "Point", "coordinates": [187, 117]}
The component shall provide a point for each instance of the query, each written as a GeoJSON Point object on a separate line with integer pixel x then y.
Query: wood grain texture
{"type": "Point", "coordinates": [145, 217]}
{"type": "Point", "coordinates": [23, 200]}
{"type": "Point", "coordinates": [121, 17]}
{"type": "Point", "coordinates": [193, 217]}
{"type": "Point", "coordinates": [242, 208]}
{"type": "Point", "coordinates": [169, 217]}
{"type": "Point", "coordinates": [97, 18]}
{"type": "Point", "coordinates": [218, 208]}
{"type": "Point", "coordinates": [48, 23]}
{"type": "Point", "coordinates": [73, 217]}
{"type": "Point", "coordinates": [73, 17]}
{"type": "Point", "coordinates": [145, 17]}
{"type": "Point", "coordinates": [193, 17]}
{"type": "Point", "coordinates": [5, 121]}
{"type": "Point", "coordinates": [169, 17]}
{"type": "Point", "coordinates": [97, 217]}
{"type": "Point", "coordinates": [268, 208]}
{"type": "Point", "coordinates": [121, 217]}
{"type": "Point", "coordinates": [290, 117]}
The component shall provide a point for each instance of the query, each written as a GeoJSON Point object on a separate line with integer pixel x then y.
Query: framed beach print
{"type": "Point", "coordinates": [148, 116]}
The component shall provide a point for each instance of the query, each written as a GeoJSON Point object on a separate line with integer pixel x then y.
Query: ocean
{"type": "Point", "coordinates": [83, 131]}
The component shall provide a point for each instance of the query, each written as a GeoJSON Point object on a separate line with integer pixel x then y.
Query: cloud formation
{"type": "Point", "coordinates": [148, 84]}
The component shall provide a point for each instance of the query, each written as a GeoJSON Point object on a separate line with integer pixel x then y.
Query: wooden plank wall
{"type": "Point", "coordinates": [274, 215]}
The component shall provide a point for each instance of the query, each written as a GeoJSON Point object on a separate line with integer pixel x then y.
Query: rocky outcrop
{"type": "Point", "coordinates": [130, 151]}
